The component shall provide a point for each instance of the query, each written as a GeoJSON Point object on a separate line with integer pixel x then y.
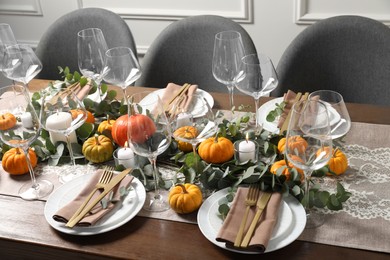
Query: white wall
{"type": "Point", "coordinates": [272, 24]}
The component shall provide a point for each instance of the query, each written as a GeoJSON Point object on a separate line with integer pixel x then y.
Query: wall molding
{"type": "Point", "coordinates": [243, 15]}
{"type": "Point", "coordinates": [21, 7]}
{"type": "Point", "coordinates": [304, 17]}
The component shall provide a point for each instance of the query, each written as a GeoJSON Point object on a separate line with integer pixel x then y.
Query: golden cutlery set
{"type": "Point", "coordinates": [106, 183]}
{"type": "Point", "coordinates": [252, 199]}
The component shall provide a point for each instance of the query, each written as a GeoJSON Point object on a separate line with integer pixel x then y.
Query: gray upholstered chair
{"type": "Point", "coordinates": [183, 53]}
{"type": "Point", "coordinates": [347, 54]}
{"type": "Point", "coordinates": [58, 45]}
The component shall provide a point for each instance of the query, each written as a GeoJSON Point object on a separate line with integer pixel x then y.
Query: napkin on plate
{"type": "Point", "coordinates": [173, 89]}
{"type": "Point", "coordinates": [289, 98]}
{"type": "Point", "coordinates": [264, 229]}
{"type": "Point", "coordinates": [66, 212]}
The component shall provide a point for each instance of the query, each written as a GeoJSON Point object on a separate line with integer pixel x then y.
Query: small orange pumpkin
{"type": "Point", "coordinates": [185, 198]}
{"type": "Point", "coordinates": [282, 163]}
{"type": "Point", "coordinates": [90, 117]}
{"type": "Point", "coordinates": [14, 161]}
{"type": "Point", "coordinates": [187, 132]}
{"type": "Point", "coordinates": [295, 143]}
{"type": "Point", "coordinates": [7, 121]}
{"type": "Point", "coordinates": [338, 164]}
{"type": "Point", "coordinates": [216, 150]}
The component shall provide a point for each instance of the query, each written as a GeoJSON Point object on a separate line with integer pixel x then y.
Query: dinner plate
{"type": "Point", "coordinates": [291, 222]}
{"type": "Point", "coordinates": [200, 92]}
{"type": "Point", "coordinates": [120, 214]}
{"type": "Point", "coordinates": [272, 127]}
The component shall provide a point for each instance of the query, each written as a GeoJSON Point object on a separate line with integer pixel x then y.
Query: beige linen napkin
{"type": "Point", "coordinates": [289, 98]}
{"type": "Point", "coordinates": [172, 90]}
{"type": "Point", "coordinates": [263, 231]}
{"type": "Point", "coordinates": [66, 212]}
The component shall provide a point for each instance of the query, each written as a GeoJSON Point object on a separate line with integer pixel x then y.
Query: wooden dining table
{"type": "Point", "coordinates": [25, 234]}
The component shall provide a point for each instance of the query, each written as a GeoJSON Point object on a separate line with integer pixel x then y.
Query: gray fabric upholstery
{"type": "Point", "coordinates": [183, 53]}
{"type": "Point", "coordinates": [347, 54]}
{"type": "Point", "coordinates": [58, 46]}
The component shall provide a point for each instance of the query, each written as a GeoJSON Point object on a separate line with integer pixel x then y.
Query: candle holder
{"type": "Point", "coordinates": [246, 150]}
{"type": "Point", "coordinates": [124, 156]}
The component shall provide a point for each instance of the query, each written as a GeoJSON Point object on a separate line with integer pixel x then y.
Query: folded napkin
{"type": "Point", "coordinates": [172, 90]}
{"type": "Point", "coordinates": [289, 99]}
{"type": "Point", "coordinates": [97, 212]}
{"type": "Point", "coordinates": [264, 229]}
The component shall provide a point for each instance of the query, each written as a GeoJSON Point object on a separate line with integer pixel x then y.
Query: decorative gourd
{"type": "Point", "coordinates": [295, 143]}
{"type": "Point", "coordinates": [106, 126]}
{"type": "Point", "coordinates": [7, 121]}
{"type": "Point", "coordinates": [338, 164]}
{"type": "Point", "coordinates": [187, 132]}
{"type": "Point", "coordinates": [90, 117]}
{"type": "Point", "coordinates": [145, 127]}
{"type": "Point", "coordinates": [14, 161]}
{"type": "Point", "coordinates": [98, 149]}
{"type": "Point", "coordinates": [287, 171]}
{"type": "Point", "coordinates": [185, 198]}
{"type": "Point", "coordinates": [216, 150]}
{"type": "Point", "coordinates": [282, 145]}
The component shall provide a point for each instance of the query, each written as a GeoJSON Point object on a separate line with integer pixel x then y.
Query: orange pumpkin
{"type": "Point", "coordinates": [287, 171]}
{"type": "Point", "coordinates": [295, 143]}
{"type": "Point", "coordinates": [143, 128]}
{"type": "Point", "coordinates": [338, 164]}
{"type": "Point", "coordinates": [187, 132]}
{"type": "Point", "coordinates": [90, 116]}
{"type": "Point", "coordinates": [14, 161]}
{"type": "Point", "coordinates": [185, 198]}
{"type": "Point", "coordinates": [7, 121]}
{"type": "Point", "coordinates": [216, 150]}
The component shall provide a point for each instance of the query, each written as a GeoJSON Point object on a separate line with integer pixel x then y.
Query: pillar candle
{"type": "Point", "coordinates": [57, 124]}
{"type": "Point", "coordinates": [26, 119]}
{"type": "Point", "coordinates": [126, 157]}
{"type": "Point", "coordinates": [247, 151]}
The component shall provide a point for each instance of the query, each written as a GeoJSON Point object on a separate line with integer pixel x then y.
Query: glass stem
{"type": "Point", "coordinates": [72, 160]}
{"type": "Point", "coordinates": [195, 157]}
{"type": "Point", "coordinates": [30, 169]}
{"type": "Point", "coordinates": [231, 100]}
{"type": "Point", "coordinates": [258, 129]}
{"type": "Point", "coordinates": [155, 177]}
{"type": "Point", "coordinates": [307, 188]}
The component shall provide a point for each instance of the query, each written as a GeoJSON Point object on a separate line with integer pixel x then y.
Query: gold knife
{"type": "Point", "coordinates": [261, 204]}
{"type": "Point", "coordinates": [118, 178]}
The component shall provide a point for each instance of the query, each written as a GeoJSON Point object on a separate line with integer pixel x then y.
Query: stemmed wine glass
{"type": "Point", "coordinates": [149, 135]}
{"type": "Point", "coordinates": [15, 100]}
{"type": "Point", "coordinates": [91, 48]}
{"type": "Point", "coordinates": [122, 67]}
{"type": "Point", "coordinates": [339, 119]}
{"type": "Point", "coordinates": [257, 78]}
{"type": "Point", "coordinates": [21, 64]}
{"type": "Point", "coordinates": [61, 116]}
{"type": "Point", "coordinates": [7, 39]}
{"type": "Point", "coordinates": [228, 52]}
{"type": "Point", "coordinates": [195, 116]}
{"type": "Point", "coordinates": [309, 146]}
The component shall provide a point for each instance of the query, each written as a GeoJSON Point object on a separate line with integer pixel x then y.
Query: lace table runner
{"type": "Point", "coordinates": [363, 223]}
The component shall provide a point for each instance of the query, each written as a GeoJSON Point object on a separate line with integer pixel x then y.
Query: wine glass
{"type": "Point", "coordinates": [14, 99]}
{"type": "Point", "coordinates": [7, 39]}
{"type": "Point", "coordinates": [228, 52]}
{"type": "Point", "coordinates": [91, 48]}
{"type": "Point", "coordinates": [257, 78]}
{"type": "Point", "coordinates": [149, 135]}
{"type": "Point", "coordinates": [194, 115]}
{"type": "Point", "coordinates": [122, 68]}
{"type": "Point", "coordinates": [61, 116]}
{"type": "Point", "coordinates": [21, 64]}
{"type": "Point", "coordinates": [339, 119]}
{"type": "Point", "coordinates": [309, 146]}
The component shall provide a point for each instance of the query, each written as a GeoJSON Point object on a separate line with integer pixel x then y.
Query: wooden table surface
{"type": "Point", "coordinates": [25, 234]}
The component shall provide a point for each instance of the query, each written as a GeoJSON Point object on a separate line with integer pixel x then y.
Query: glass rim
{"type": "Point", "coordinates": [231, 34]}
{"type": "Point", "coordinates": [92, 30]}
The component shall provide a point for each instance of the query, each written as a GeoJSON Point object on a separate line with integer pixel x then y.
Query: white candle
{"type": "Point", "coordinates": [184, 119]}
{"type": "Point", "coordinates": [247, 151]}
{"type": "Point", "coordinates": [57, 123]}
{"type": "Point", "coordinates": [26, 120]}
{"type": "Point", "coordinates": [126, 157]}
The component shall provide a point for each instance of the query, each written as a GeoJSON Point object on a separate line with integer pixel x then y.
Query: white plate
{"type": "Point", "coordinates": [272, 127]}
{"type": "Point", "coordinates": [121, 214]}
{"type": "Point", "coordinates": [291, 222]}
{"type": "Point", "coordinates": [199, 92]}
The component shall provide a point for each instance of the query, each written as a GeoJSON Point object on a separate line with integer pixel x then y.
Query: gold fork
{"type": "Point", "coordinates": [104, 179]}
{"type": "Point", "coordinates": [250, 201]}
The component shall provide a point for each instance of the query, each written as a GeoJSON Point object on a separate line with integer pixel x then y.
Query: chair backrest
{"type": "Point", "coordinates": [348, 54]}
{"type": "Point", "coordinates": [183, 53]}
{"type": "Point", "coordinates": [58, 45]}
